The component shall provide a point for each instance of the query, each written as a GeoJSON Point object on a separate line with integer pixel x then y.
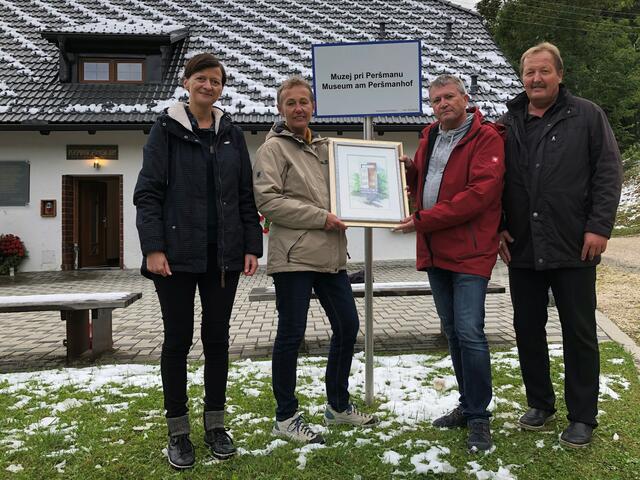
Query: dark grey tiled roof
{"type": "Point", "coordinates": [261, 42]}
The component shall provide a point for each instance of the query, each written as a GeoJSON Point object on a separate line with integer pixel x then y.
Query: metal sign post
{"type": "Point", "coordinates": [368, 293]}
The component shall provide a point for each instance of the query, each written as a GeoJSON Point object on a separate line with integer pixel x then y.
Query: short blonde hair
{"type": "Point", "coordinates": [544, 47]}
{"type": "Point", "coordinates": [293, 82]}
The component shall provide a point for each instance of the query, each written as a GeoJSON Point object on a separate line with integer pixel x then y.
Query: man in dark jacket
{"type": "Point", "coordinates": [562, 187]}
{"type": "Point", "coordinates": [456, 179]}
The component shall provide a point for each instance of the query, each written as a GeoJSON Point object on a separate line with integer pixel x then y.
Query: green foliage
{"type": "Point", "coordinates": [600, 45]}
{"type": "Point", "coordinates": [383, 184]}
{"type": "Point", "coordinates": [355, 183]}
{"type": "Point", "coordinates": [631, 161]}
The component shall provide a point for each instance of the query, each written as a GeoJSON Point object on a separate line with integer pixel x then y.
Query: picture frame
{"type": "Point", "coordinates": [367, 182]}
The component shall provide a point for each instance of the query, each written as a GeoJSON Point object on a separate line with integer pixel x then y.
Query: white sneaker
{"type": "Point", "coordinates": [351, 416]}
{"type": "Point", "coordinates": [295, 428]}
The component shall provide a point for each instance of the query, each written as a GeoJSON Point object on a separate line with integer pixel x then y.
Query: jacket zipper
{"type": "Point", "coordinates": [213, 147]}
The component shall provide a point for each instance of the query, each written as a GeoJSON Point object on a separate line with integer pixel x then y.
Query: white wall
{"type": "Point", "coordinates": [47, 155]}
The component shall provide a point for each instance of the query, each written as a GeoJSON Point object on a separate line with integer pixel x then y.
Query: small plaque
{"type": "Point", "coordinates": [91, 152]}
{"type": "Point", "coordinates": [47, 208]}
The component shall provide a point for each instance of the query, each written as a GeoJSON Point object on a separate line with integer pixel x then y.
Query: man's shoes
{"type": "Point", "coordinates": [351, 416]}
{"type": "Point", "coordinates": [479, 438]}
{"type": "Point", "coordinates": [295, 428]}
{"type": "Point", "coordinates": [577, 435]}
{"type": "Point", "coordinates": [220, 443]}
{"type": "Point", "coordinates": [454, 419]}
{"type": "Point", "coordinates": [535, 419]}
{"type": "Point", "coordinates": [180, 451]}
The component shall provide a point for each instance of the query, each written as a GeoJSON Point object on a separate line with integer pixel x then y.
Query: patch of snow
{"type": "Point", "coordinates": [304, 451]}
{"type": "Point", "coordinates": [278, 442]}
{"type": "Point", "coordinates": [391, 457]}
{"type": "Point", "coordinates": [14, 468]}
{"type": "Point", "coordinates": [62, 297]}
{"type": "Point", "coordinates": [430, 461]}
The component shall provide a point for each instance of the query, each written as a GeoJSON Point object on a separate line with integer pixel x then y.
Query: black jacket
{"type": "Point", "coordinates": [570, 186]}
{"type": "Point", "coordinates": [171, 195]}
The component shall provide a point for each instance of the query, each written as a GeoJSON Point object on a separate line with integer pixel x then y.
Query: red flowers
{"type": "Point", "coordinates": [266, 223]}
{"type": "Point", "coordinates": [12, 252]}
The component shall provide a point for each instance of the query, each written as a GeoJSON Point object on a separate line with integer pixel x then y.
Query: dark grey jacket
{"type": "Point", "coordinates": [570, 186]}
{"type": "Point", "coordinates": [171, 195]}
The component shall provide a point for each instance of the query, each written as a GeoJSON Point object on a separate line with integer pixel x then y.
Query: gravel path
{"type": "Point", "coordinates": [619, 284]}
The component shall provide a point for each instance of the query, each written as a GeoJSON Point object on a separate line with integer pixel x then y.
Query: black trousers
{"type": "Point", "coordinates": [176, 294]}
{"type": "Point", "coordinates": [575, 295]}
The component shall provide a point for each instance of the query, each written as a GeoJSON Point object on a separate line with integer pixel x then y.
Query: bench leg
{"type": "Point", "coordinates": [77, 332]}
{"type": "Point", "coordinates": [102, 339]}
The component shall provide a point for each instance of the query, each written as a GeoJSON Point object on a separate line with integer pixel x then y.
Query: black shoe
{"type": "Point", "coordinates": [454, 419]}
{"type": "Point", "coordinates": [535, 419]}
{"type": "Point", "coordinates": [180, 451]}
{"type": "Point", "coordinates": [220, 443]}
{"type": "Point", "coordinates": [479, 436]}
{"type": "Point", "coordinates": [576, 435]}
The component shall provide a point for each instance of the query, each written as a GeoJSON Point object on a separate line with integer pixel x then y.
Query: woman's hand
{"type": "Point", "coordinates": [157, 263]}
{"type": "Point", "coordinates": [250, 264]}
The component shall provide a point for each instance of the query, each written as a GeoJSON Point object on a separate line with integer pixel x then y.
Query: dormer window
{"type": "Point", "coordinates": [133, 52]}
{"type": "Point", "coordinates": [111, 70]}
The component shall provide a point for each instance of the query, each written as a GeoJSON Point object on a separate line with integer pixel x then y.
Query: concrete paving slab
{"type": "Point", "coordinates": [30, 340]}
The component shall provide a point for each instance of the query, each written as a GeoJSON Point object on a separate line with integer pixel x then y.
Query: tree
{"type": "Point", "coordinates": [600, 45]}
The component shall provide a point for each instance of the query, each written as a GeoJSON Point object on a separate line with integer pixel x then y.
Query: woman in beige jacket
{"type": "Point", "coordinates": [307, 250]}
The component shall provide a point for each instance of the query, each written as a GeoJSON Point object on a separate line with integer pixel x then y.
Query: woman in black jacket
{"type": "Point", "coordinates": [198, 226]}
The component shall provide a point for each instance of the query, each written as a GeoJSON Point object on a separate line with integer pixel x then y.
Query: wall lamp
{"type": "Point", "coordinates": [96, 163]}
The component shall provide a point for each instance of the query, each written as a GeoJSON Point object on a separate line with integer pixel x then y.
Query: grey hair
{"type": "Point", "coordinates": [447, 79]}
{"type": "Point", "coordinates": [293, 82]}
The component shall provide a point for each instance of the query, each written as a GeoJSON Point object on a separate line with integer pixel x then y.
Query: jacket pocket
{"type": "Point", "coordinates": [298, 241]}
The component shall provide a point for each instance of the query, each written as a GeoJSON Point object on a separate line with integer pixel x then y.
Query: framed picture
{"type": "Point", "coordinates": [367, 182]}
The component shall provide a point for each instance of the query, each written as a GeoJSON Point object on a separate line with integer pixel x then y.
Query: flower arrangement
{"type": "Point", "coordinates": [266, 223]}
{"type": "Point", "coordinates": [12, 252]}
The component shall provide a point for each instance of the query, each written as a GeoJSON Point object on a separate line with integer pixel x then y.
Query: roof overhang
{"type": "Point", "coordinates": [74, 40]}
{"type": "Point", "coordinates": [46, 128]}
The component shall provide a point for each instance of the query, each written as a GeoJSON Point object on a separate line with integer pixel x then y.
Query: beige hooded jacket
{"type": "Point", "coordinates": [291, 186]}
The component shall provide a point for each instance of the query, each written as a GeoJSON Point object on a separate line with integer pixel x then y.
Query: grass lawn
{"type": "Point", "coordinates": [106, 423]}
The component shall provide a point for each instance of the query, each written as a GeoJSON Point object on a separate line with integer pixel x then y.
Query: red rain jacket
{"type": "Point", "coordinates": [460, 232]}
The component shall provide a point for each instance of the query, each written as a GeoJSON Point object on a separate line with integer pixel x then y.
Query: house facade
{"type": "Point", "coordinates": [82, 82]}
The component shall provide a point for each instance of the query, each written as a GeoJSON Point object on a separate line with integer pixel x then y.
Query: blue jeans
{"type": "Point", "coordinates": [293, 293]}
{"type": "Point", "coordinates": [459, 299]}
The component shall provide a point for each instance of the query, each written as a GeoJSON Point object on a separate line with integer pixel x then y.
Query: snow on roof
{"type": "Point", "coordinates": [130, 27]}
{"type": "Point", "coordinates": [260, 42]}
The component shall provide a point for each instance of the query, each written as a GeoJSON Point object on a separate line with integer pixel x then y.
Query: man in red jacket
{"type": "Point", "coordinates": [456, 179]}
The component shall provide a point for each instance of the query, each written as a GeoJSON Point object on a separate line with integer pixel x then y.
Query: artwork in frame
{"type": "Point", "coordinates": [367, 182]}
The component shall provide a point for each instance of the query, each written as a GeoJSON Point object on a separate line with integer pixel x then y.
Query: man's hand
{"type": "Point", "coordinates": [593, 245]}
{"type": "Point", "coordinates": [250, 264]}
{"type": "Point", "coordinates": [503, 249]}
{"type": "Point", "coordinates": [407, 226]}
{"type": "Point", "coordinates": [157, 263]}
{"type": "Point", "coordinates": [334, 223]}
{"type": "Point", "coordinates": [408, 163]}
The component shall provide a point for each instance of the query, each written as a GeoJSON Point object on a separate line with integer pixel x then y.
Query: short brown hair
{"type": "Point", "coordinates": [544, 47]}
{"type": "Point", "coordinates": [202, 61]}
{"type": "Point", "coordinates": [294, 82]}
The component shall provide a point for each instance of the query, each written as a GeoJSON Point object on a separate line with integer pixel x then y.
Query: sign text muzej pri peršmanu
{"type": "Point", "coordinates": [365, 79]}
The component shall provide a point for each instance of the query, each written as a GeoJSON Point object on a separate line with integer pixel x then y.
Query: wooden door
{"type": "Point", "coordinates": [92, 224]}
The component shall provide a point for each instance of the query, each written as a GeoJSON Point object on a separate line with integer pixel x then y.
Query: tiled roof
{"type": "Point", "coordinates": [260, 42]}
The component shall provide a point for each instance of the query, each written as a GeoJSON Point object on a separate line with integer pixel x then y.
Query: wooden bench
{"type": "Point", "coordinates": [88, 316]}
{"type": "Point", "coordinates": [380, 289]}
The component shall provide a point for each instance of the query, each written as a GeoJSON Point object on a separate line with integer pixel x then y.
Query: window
{"type": "Point", "coordinates": [116, 70]}
{"type": "Point", "coordinates": [14, 183]}
{"type": "Point", "coordinates": [129, 72]}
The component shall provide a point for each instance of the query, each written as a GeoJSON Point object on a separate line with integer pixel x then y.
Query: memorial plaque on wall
{"type": "Point", "coordinates": [89, 152]}
{"type": "Point", "coordinates": [14, 183]}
